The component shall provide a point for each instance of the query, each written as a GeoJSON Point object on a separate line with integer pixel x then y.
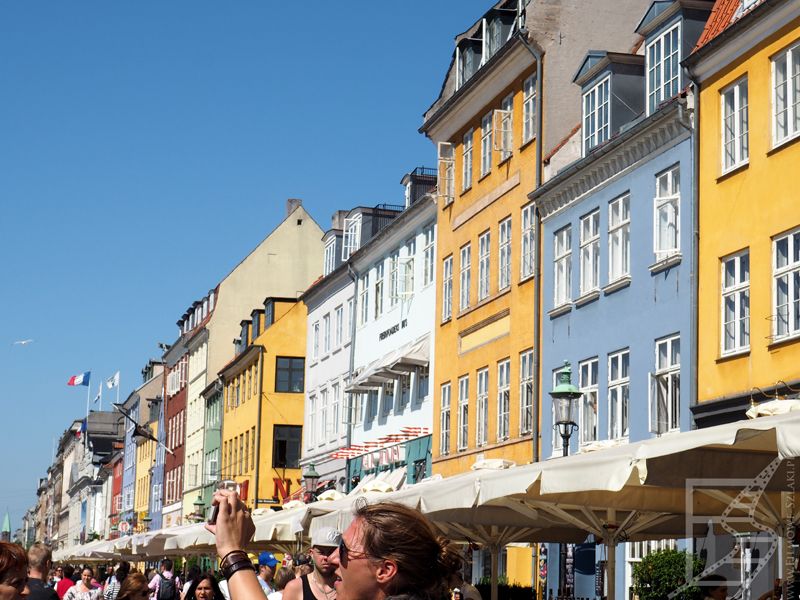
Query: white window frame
{"type": "Point", "coordinates": [379, 275]}
{"type": "Point", "coordinates": [447, 288]}
{"type": "Point", "coordinates": [463, 413]}
{"type": "Point", "coordinates": [330, 256]}
{"type": "Point", "coordinates": [486, 144]}
{"type": "Point", "coordinates": [588, 413]}
{"type": "Point", "coordinates": [665, 386]}
{"type": "Point", "coordinates": [619, 394]}
{"type": "Point", "coordinates": [619, 238]}
{"type": "Point", "coordinates": [429, 255]}
{"type": "Point", "coordinates": [660, 89]}
{"type": "Point", "coordinates": [590, 252]}
{"type": "Point", "coordinates": [734, 125]}
{"type": "Point", "coordinates": [326, 333]}
{"type": "Point", "coordinates": [315, 340]}
{"type": "Point", "coordinates": [482, 408]}
{"type": "Point", "coordinates": [504, 254]}
{"type": "Point", "coordinates": [669, 205]}
{"type": "Point", "coordinates": [529, 109]}
{"type": "Point", "coordinates": [562, 266]}
{"type": "Point", "coordinates": [527, 244]}
{"type": "Point", "coordinates": [352, 236]}
{"type": "Point", "coordinates": [465, 276]}
{"type": "Point", "coordinates": [526, 392]}
{"type": "Point", "coordinates": [596, 115]}
{"type": "Point", "coordinates": [447, 173]}
{"type": "Point", "coordinates": [466, 161]}
{"type": "Point", "coordinates": [323, 414]}
{"type": "Point", "coordinates": [788, 105]}
{"type": "Point", "coordinates": [394, 278]}
{"type": "Point", "coordinates": [503, 400]}
{"type": "Point", "coordinates": [484, 266]}
{"type": "Point", "coordinates": [338, 328]}
{"type": "Point", "coordinates": [735, 293]}
{"type": "Point", "coordinates": [504, 128]}
{"type": "Point", "coordinates": [790, 274]}
{"type": "Point", "coordinates": [444, 419]}
{"type": "Point", "coordinates": [336, 398]}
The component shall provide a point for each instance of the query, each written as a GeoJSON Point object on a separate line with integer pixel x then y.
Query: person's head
{"type": "Point", "coordinates": [13, 572]}
{"type": "Point", "coordinates": [283, 576]}
{"type": "Point", "coordinates": [457, 595]}
{"type": "Point", "coordinates": [266, 565]}
{"type": "Point", "coordinates": [390, 549]}
{"type": "Point", "coordinates": [134, 587]}
{"type": "Point", "coordinates": [193, 573]}
{"type": "Point", "coordinates": [323, 543]}
{"type": "Point", "coordinates": [204, 588]}
{"type": "Point", "coordinates": [69, 571]}
{"type": "Point", "coordinates": [58, 572]}
{"type": "Point", "coordinates": [87, 574]}
{"type": "Point", "coordinates": [714, 586]}
{"type": "Point", "coordinates": [122, 570]}
{"type": "Point", "coordinates": [39, 560]}
{"type": "Point", "coordinates": [166, 565]}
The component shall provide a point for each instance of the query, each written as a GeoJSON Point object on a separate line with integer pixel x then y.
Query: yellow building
{"type": "Point", "coordinates": [263, 404]}
{"type": "Point", "coordinates": [145, 457]}
{"type": "Point", "coordinates": [749, 214]}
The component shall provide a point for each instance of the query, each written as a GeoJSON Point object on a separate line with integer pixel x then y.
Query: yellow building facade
{"type": "Point", "coordinates": [145, 458]}
{"type": "Point", "coordinates": [749, 214]}
{"type": "Point", "coordinates": [263, 404]}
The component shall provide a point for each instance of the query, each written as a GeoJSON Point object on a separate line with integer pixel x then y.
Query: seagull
{"type": "Point", "coordinates": [22, 342]}
{"type": "Point", "coordinates": [138, 430]}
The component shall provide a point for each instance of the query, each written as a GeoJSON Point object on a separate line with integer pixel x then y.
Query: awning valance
{"type": "Point", "coordinates": [392, 366]}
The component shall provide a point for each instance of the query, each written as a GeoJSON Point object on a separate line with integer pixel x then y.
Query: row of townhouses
{"type": "Point", "coordinates": [601, 198]}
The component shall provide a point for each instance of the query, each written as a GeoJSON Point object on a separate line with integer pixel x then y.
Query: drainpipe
{"type": "Point", "coordinates": [537, 227]}
{"type": "Point", "coordinates": [354, 276]}
{"type": "Point", "coordinates": [258, 425]}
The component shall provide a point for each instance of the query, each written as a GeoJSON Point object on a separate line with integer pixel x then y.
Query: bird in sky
{"type": "Point", "coordinates": [22, 342]}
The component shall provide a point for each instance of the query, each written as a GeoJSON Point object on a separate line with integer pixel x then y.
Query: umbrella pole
{"type": "Point", "coordinates": [611, 556]}
{"type": "Point", "coordinates": [494, 550]}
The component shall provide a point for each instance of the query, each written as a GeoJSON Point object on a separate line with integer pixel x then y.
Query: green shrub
{"type": "Point", "coordinates": [664, 571]}
{"type": "Point", "coordinates": [504, 591]}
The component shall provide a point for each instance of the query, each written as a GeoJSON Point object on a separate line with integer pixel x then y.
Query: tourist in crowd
{"type": "Point", "coordinates": [66, 582]}
{"type": "Point", "coordinates": [58, 575]}
{"type": "Point", "coordinates": [266, 571]}
{"type": "Point", "coordinates": [282, 577]}
{"type": "Point", "coordinates": [115, 581]}
{"type": "Point", "coordinates": [39, 563]}
{"type": "Point", "coordinates": [84, 590]}
{"type": "Point", "coordinates": [319, 582]}
{"type": "Point", "coordinates": [134, 587]}
{"type": "Point", "coordinates": [191, 576]}
{"type": "Point", "coordinates": [165, 584]}
{"type": "Point", "coordinates": [204, 588]}
{"type": "Point", "coordinates": [13, 572]}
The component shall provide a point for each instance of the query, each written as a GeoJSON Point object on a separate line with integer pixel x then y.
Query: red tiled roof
{"type": "Point", "coordinates": [722, 16]}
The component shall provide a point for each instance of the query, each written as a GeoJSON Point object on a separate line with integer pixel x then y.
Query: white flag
{"type": "Point", "coordinates": [113, 381]}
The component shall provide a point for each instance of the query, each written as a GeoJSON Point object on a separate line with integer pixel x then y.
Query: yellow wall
{"type": "Point", "coordinates": [482, 335]}
{"type": "Point", "coordinates": [519, 565]}
{"type": "Point", "coordinates": [741, 210]}
{"type": "Point", "coordinates": [145, 455]}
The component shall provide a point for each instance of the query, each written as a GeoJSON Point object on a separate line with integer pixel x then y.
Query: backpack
{"type": "Point", "coordinates": [166, 588]}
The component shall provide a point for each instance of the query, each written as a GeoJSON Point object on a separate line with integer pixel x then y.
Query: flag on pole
{"type": "Point", "coordinates": [81, 379]}
{"type": "Point", "coordinates": [99, 395]}
{"type": "Point", "coordinates": [113, 381]}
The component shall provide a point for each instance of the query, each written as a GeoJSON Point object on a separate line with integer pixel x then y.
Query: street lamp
{"type": "Point", "coordinates": [146, 520]}
{"type": "Point", "coordinates": [564, 399]}
{"type": "Point", "coordinates": [199, 510]}
{"type": "Point", "coordinates": [310, 481]}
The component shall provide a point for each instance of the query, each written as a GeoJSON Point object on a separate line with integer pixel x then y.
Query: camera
{"type": "Point", "coordinates": [225, 484]}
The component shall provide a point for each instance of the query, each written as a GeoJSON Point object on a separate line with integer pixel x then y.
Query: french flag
{"type": "Point", "coordinates": [82, 379]}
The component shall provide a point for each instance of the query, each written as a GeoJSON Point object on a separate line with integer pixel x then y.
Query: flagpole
{"type": "Point", "coordinates": [86, 432]}
{"type": "Point", "coordinates": [118, 388]}
{"type": "Point", "coordinates": [101, 396]}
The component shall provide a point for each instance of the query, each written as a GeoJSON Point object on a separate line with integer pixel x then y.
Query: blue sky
{"type": "Point", "coordinates": [146, 147]}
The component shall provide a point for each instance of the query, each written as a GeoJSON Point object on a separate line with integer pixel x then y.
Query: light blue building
{"type": "Point", "coordinates": [619, 261]}
{"type": "Point", "coordinates": [157, 480]}
{"type": "Point", "coordinates": [129, 465]}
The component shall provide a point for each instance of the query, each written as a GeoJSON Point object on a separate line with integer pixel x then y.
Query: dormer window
{"type": "Point", "coordinates": [352, 236]}
{"type": "Point", "coordinates": [330, 256]}
{"type": "Point", "coordinates": [497, 30]}
{"type": "Point", "coordinates": [596, 115]}
{"type": "Point", "coordinates": [469, 54]}
{"type": "Point", "coordinates": [663, 67]}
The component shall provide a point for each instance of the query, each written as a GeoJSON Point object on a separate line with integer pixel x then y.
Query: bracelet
{"type": "Point", "coordinates": [228, 571]}
{"type": "Point", "coordinates": [224, 558]}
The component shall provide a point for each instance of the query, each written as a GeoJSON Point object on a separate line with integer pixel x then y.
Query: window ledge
{"type": "Point", "coordinates": [447, 320]}
{"type": "Point", "coordinates": [484, 176]}
{"type": "Point", "coordinates": [617, 285]}
{"type": "Point", "coordinates": [465, 190]}
{"type": "Point", "coordinates": [527, 143]}
{"type": "Point", "coordinates": [783, 143]}
{"type": "Point", "coordinates": [484, 302]}
{"type": "Point", "coordinates": [733, 171]}
{"type": "Point", "coordinates": [561, 310]}
{"type": "Point", "coordinates": [586, 298]}
{"type": "Point", "coordinates": [665, 263]}
{"type": "Point", "coordinates": [505, 160]}
{"type": "Point", "coordinates": [787, 339]}
{"type": "Point", "coordinates": [733, 355]}
{"type": "Point", "coordinates": [525, 279]}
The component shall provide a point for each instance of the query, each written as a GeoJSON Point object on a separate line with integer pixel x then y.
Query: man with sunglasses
{"type": "Point", "coordinates": [317, 585]}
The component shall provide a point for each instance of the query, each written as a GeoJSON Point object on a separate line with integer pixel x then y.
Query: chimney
{"type": "Point", "coordinates": [292, 204]}
{"type": "Point", "coordinates": [337, 220]}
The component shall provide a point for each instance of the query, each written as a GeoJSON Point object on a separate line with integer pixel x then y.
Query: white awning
{"type": "Point", "coordinates": [391, 366]}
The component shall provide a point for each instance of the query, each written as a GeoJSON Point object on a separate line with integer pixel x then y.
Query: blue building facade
{"type": "Point", "coordinates": [129, 465]}
{"type": "Point", "coordinates": [157, 479]}
{"type": "Point", "coordinates": [618, 265]}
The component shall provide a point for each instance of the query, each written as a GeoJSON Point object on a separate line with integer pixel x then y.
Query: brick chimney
{"type": "Point", "coordinates": [292, 204]}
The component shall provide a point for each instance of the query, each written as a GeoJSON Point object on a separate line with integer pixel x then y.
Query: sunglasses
{"type": "Point", "coordinates": [346, 554]}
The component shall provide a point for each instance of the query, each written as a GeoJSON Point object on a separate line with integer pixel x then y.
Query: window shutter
{"type": "Point", "coordinates": [446, 186]}
{"type": "Point", "coordinates": [502, 128]}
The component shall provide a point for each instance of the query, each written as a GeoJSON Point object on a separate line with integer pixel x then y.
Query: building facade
{"type": "Point", "coordinates": [176, 367]}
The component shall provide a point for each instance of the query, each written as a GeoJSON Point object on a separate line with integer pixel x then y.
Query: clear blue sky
{"type": "Point", "coordinates": [146, 147]}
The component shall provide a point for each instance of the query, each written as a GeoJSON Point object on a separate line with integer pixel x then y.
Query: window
{"type": "Point", "coordinates": [786, 94]}
{"type": "Point", "coordinates": [363, 300]}
{"type": "Point", "coordinates": [590, 252]}
{"type": "Point", "coordinates": [527, 247]}
{"type": "Point", "coordinates": [562, 266]}
{"type": "Point", "coordinates": [504, 275]}
{"type": "Point", "coordinates": [463, 412]}
{"type": "Point", "coordinates": [503, 127]}
{"type": "Point", "coordinates": [330, 256]}
{"type": "Point", "coordinates": [289, 374]}
{"type": "Point", "coordinates": [786, 290]}
{"type": "Point", "coordinates": [466, 161]}
{"type": "Point", "coordinates": [335, 402]}
{"type": "Point", "coordinates": [315, 341]}
{"type": "Point", "coordinates": [338, 321]}
{"type": "Point", "coordinates": [326, 333]}
{"type": "Point", "coordinates": [587, 382]}
{"type": "Point", "coordinates": [503, 399]}
{"type": "Point", "coordinates": [464, 282]}
{"type": "Point", "coordinates": [286, 446]}
{"type": "Point", "coordinates": [350, 314]}
{"type": "Point", "coordinates": [618, 394]}
{"type": "Point", "coordinates": [482, 416]}
{"type": "Point", "coordinates": [663, 68]}
{"type": "Point", "coordinates": [378, 289]}
{"type": "Point", "coordinates": [484, 249]}
{"type": "Point", "coordinates": [447, 288]}
{"type": "Point", "coordinates": [486, 144]}
{"type": "Point", "coordinates": [447, 173]}
{"type": "Point", "coordinates": [269, 313]}
{"type": "Point", "coordinates": [323, 415]}
{"type": "Point", "coordinates": [352, 236]}
{"type": "Point", "coordinates": [736, 303]}
{"type": "Point", "coordinates": [526, 392]}
{"type": "Point", "coordinates": [665, 398]}
{"type": "Point", "coordinates": [619, 238]}
{"type": "Point", "coordinates": [596, 115]}
{"type": "Point", "coordinates": [529, 109]}
{"type": "Point", "coordinates": [311, 431]}
{"type": "Point", "coordinates": [735, 151]}
{"type": "Point", "coordinates": [388, 397]}
{"type": "Point", "coordinates": [394, 278]}
{"type": "Point", "coordinates": [667, 209]}
{"type": "Point", "coordinates": [429, 255]}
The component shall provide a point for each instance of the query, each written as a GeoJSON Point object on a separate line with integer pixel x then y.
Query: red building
{"type": "Point", "coordinates": [115, 465]}
{"type": "Point", "coordinates": [176, 368]}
